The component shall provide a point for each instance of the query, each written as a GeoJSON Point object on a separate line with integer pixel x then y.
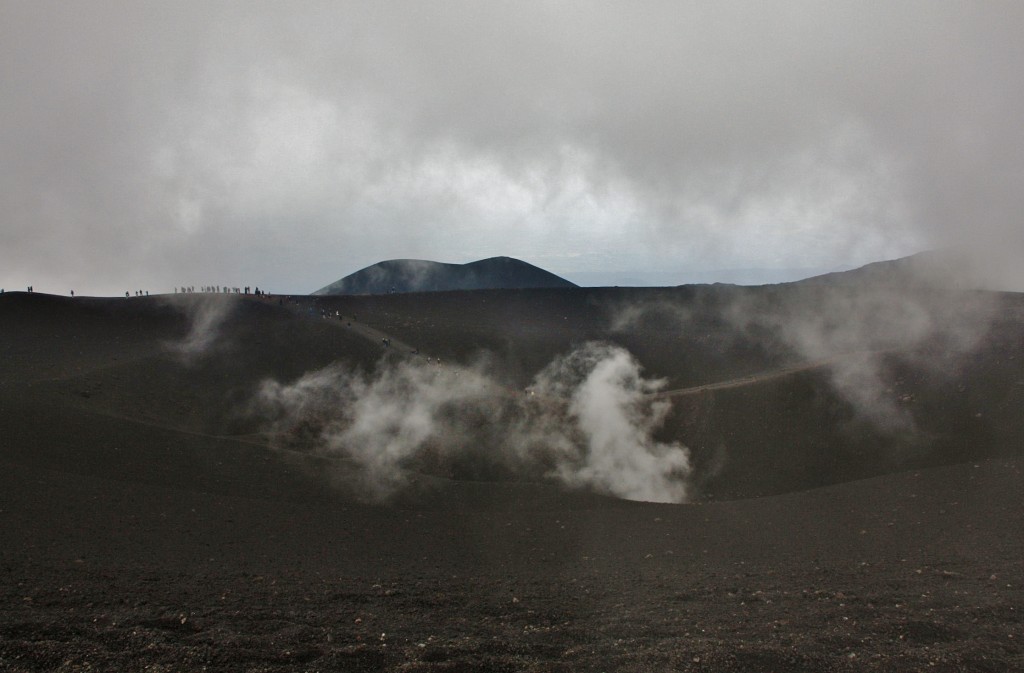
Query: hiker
{"type": "Point", "coordinates": [72, 293]}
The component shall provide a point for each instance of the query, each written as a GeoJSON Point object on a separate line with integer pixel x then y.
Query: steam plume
{"type": "Point", "coordinates": [586, 421]}
{"type": "Point", "coordinates": [609, 408]}
{"type": "Point", "coordinates": [850, 325]}
{"type": "Point", "coordinates": [206, 314]}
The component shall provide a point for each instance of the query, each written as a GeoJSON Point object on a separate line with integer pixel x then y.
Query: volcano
{"type": "Point", "coordinates": [853, 480]}
{"type": "Point", "coordinates": [416, 275]}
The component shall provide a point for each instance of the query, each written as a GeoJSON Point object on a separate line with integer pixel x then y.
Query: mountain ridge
{"type": "Point", "coordinates": [416, 275]}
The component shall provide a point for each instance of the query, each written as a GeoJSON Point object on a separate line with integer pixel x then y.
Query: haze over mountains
{"type": "Point", "coordinates": [653, 278]}
{"type": "Point", "coordinates": [946, 268]}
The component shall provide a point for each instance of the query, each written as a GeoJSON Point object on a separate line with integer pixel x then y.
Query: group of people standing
{"type": "Point", "coordinates": [219, 289]}
{"type": "Point", "coordinates": [187, 290]}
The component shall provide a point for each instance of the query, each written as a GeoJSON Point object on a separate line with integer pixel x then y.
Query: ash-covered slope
{"type": "Point", "coordinates": [151, 518]}
{"type": "Point", "coordinates": [943, 268]}
{"type": "Point", "coordinates": [417, 275]}
{"type": "Point", "coordinates": [771, 389]}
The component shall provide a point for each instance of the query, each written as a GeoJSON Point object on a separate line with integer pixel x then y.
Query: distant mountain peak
{"type": "Point", "coordinates": [418, 275]}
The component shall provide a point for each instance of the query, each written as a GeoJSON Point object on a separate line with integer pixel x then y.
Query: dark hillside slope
{"type": "Point", "coordinates": [944, 268]}
{"type": "Point", "coordinates": [762, 408]}
{"type": "Point", "coordinates": [777, 392]}
{"type": "Point", "coordinates": [678, 333]}
{"type": "Point", "coordinates": [188, 362]}
{"type": "Point", "coordinates": [145, 524]}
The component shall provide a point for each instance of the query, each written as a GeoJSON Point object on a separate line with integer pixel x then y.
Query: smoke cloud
{"type": "Point", "coordinates": [631, 315]}
{"type": "Point", "coordinates": [586, 421]}
{"type": "Point", "coordinates": [206, 314]}
{"type": "Point", "coordinates": [852, 328]}
{"type": "Point", "coordinates": [849, 325]}
{"type": "Point", "coordinates": [608, 403]}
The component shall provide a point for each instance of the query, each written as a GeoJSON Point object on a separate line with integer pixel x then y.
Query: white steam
{"type": "Point", "coordinates": [586, 421]}
{"type": "Point", "coordinates": [852, 329]}
{"type": "Point", "coordinates": [610, 407]}
{"type": "Point", "coordinates": [206, 314]}
{"type": "Point", "coordinates": [847, 326]}
{"type": "Point", "coordinates": [630, 316]}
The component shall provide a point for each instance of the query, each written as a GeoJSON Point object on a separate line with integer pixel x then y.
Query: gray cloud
{"type": "Point", "coordinates": [153, 145]}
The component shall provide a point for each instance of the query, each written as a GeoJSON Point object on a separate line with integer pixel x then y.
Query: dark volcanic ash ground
{"type": "Point", "coordinates": [851, 484]}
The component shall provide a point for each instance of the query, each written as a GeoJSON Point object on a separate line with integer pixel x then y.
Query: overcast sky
{"type": "Point", "coordinates": [147, 145]}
